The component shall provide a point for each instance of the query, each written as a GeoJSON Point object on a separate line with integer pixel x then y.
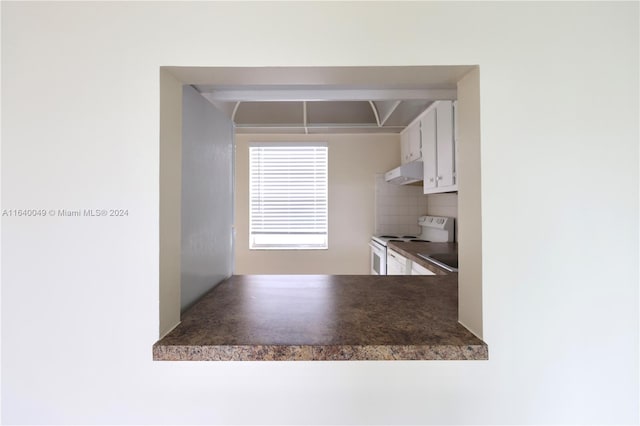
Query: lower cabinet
{"type": "Point", "coordinates": [397, 264]}
{"type": "Point", "coordinates": [417, 269]}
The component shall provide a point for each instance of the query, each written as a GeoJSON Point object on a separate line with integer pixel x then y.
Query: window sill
{"type": "Point", "coordinates": [324, 317]}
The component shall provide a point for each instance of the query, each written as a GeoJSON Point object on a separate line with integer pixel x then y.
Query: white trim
{"type": "Point", "coordinates": [316, 126]}
{"type": "Point", "coordinates": [235, 110]}
{"type": "Point", "coordinates": [375, 112]}
{"type": "Point", "coordinates": [304, 117]}
{"type": "Point", "coordinates": [271, 95]}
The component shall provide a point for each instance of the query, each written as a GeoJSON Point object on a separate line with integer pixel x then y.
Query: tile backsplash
{"type": "Point", "coordinates": [398, 207]}
{"type": "Point", "coordinates": [443, 204]}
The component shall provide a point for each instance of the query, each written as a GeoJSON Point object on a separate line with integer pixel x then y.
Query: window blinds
{"type": "Point", "coordinates": [288, 195]}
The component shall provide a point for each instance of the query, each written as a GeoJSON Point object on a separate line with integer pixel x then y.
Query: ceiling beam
{"type": "Point", "coordinates": [299, 95]}
{"type": "Point", "coordinates": [315, 126]}
{"type": "Point", "coordinates": [304, 117]}
{"type": "Point", "coordinates": [375, 112]}
{"type": "Point", "coordinates": [235, 110]}
{"type": "Point", "coordinates": [389, 112]}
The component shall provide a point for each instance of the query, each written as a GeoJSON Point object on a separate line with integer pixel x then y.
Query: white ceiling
{"type": "Point", "coordinates": [323, 99]}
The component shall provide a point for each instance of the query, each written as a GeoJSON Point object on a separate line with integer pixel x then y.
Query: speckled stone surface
{"type": "Point", "coordinates": [324, 317]}
{"type": "Point", "coordinates": [410, 250]}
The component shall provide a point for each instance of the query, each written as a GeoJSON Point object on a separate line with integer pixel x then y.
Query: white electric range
{"type": "Point", "coordinates": [434, 229]}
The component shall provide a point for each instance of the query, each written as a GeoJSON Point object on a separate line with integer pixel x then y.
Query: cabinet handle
{"type": "Point", "coordinates": [439, 177]}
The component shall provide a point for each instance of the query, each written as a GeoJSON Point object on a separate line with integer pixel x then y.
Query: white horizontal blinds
{"type": "Point", "coordinates": [288, 196]}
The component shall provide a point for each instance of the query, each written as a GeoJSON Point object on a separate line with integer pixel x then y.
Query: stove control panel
{"type": "Point", "coordinates": [437, 228]}
{"type": "Point", "coordinates": [435, 221]}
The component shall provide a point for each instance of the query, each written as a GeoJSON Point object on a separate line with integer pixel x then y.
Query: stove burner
{"type": "Point", "coordinates": [409, 236]}
{"type": "Point", "coordinates": [388, 236]}
{"type": "Point", "coordinates": [419, 241]}
{"type": "Point", "coordinates": [395, 241]}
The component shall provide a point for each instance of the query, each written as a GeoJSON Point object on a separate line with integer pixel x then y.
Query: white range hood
{"type": "Point", "coordinates": [406, 173]}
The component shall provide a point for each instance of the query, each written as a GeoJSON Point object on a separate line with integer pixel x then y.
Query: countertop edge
{"type": "Point", "coordinates": [402, 248]}
{"type": "Point", "coordinates": [318, 352]}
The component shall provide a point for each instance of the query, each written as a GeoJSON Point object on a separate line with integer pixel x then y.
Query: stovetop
{"type": "Point", "coordinates": [385, 239]}
{"type": "Point", "coordinates": [434, 228]}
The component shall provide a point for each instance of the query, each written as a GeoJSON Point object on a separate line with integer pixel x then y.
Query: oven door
{"type": "Point", "coordinates": [378, 258]}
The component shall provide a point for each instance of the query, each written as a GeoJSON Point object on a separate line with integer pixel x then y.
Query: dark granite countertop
{"type": "Point", "coordinates": [410, 250]}
{"type": "Point", "coordinates": [324, 317]}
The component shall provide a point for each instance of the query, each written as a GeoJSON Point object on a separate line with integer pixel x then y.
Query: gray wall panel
{"type": "Point", "coordinates": [207, 197]}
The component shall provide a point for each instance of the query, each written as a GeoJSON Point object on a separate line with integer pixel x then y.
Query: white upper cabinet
{"type": "Point", "coordinates": [429, 137]}
{"type": "Point", "coordinates": [411, 143]}
{"type": "Point", "coordinates": [439, 148]}
{"type": "Point", "coordinates": [415, 143]}
{"type": "Point", "coordinates": [404, 147]}
{"type": "Point", "coordinates": [445, 145]}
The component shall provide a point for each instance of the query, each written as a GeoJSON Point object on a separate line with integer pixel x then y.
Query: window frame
{"type": "Point", "coordinates": [322, 240]}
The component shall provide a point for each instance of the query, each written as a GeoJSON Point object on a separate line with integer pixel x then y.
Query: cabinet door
{"type": "Point", "coordinates": [415, 143]}
{"type": "Point", "coordinates": [445, 149]}
{"type": "Point", "coordinates": [396, 263]}
{"type": "Point", "coordinates": [417, 269]}
{"type": "Point", "coordinates": [429, 149]}
{"type": "Point", "coordinates": [404, 147]}
{"type": "Point", "coordinates": [393, 267]}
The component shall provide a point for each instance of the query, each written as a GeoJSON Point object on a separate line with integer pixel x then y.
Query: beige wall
{"type": "Point", "coordinates": [353, 162]}
{"type": "Point", "coordinates": [469, 230]}
{"type": "Point", "coordinates": [443, 204]}
{"type": "Point", "coordinates": [170, 211]}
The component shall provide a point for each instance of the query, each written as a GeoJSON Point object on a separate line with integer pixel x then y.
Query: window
{"type": "Point", "coordinates": [288, 196]}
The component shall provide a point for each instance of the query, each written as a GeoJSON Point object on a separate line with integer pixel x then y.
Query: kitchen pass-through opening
{"type": "Point", "coordinates": [193, 230]}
